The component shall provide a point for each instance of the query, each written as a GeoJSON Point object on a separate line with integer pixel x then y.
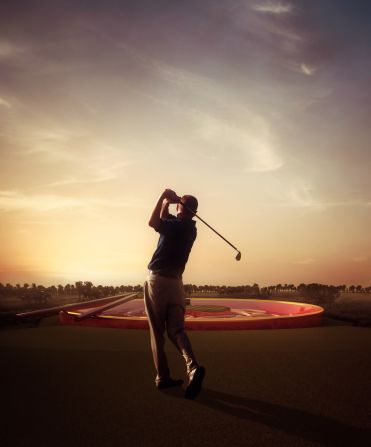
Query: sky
{"type": "Point", "coordinates": [259, 108]}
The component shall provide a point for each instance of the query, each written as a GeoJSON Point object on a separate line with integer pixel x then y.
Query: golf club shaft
{"type": "Point", "coordinates": [211, 228]}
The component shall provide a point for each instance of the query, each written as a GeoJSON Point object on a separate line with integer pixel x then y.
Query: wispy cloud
{"type": "Point", "coordinates": [5, 103]}
{"type": "Point", "coordinates": [250, 136]}
{"type": "Point", "coordinates": [13, 200]}
{"type": "Point", "coordinates": [358, 259]}
{"type": "Point", "coordinates": [280, 35]}
{"type": "Point", "coordinates": [291, 37]}
{"type": "Point", "coordinates": [307, 69]}
{"type": "Point", "coordinates": [271, 26]}
{"type": "Point", "coordinates": [86, 150]}
{"type": "Point", "coordinates": [55, 144]}
{"type": "Point", "coordinates": [302, 195]}
{"type": "Point", "coordinates": [305, 261]}
{"type": "Point", "coordinates": [276, 8]}
{"type": "Point", "coordinates": [255, 143]}
{"type": "Point", "coordinates": [9, 49]}
{"type": "Point", "coordinates": [302, 68]}
{"type": "Point", "coordinates": [98, 175]}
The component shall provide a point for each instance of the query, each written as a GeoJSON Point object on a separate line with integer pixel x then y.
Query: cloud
{"type": "Point", "coordinates": [359, 259]}
{"type": "Point", "coordinates": [279, 34]}
{"type": "Point", "coordinates": [9, 49]}
{"type": "Point", "coordinates": [307, 69]}
{"type": "Point", "coordinates": [254, 143]}
{"type": "Point", "coordinates": [53, 143]}
{"type": "Point", "coordinates": [98, 175]}
{"type": "Point", "coordinates": [301, 194]}
{"type": "Point", "coordinates": [235, 129]}
{"type": "Point", "coordinates": [291, 38]}
{"type": "Point", "coordinates": [276, 8]}
{"type": "Point", "coordinates": [251, 135]}
{"type": "Point", "coordinates": [87, 151]}
{"type": "Point", "coordinates": [305, 261]}
{"type": "Point", "coordinates": [301, 68]}
{"type": "Point", "coordinates": [13, 200]}
{"type": "Point", "coordinates": [272, 26]}
{"type": "Point", "coordinates": [71, 155]}
{"type": "Point", "coordinates": [5, 103]}
{"type": "Point", "coordinates": [293, 193]}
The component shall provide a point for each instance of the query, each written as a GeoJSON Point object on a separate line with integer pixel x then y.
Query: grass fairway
{"type": "Point", "coordinates": [76, 386]}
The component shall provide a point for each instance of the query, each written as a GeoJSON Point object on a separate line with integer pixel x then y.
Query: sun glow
{"type": "Point", "coordinates": [269, 132]}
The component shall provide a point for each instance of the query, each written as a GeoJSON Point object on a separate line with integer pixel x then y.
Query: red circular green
{"type": "Point", "coordinates": [206, 314]}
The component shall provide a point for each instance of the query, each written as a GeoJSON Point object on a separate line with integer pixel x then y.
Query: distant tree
{"type": "Point", "coordinates": [79, 286]}
{"type": "Point", "coordinates": [320, 294]}
{"type": "Point", "coordinates": [86, 289]}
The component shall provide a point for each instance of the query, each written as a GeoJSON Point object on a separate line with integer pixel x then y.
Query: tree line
{"type": "Point", "coordinates": [255, 290]}
{"type": "Point", "coordinates": [85, 290]}
{"type": "Point", "coordinates": [81, 290]}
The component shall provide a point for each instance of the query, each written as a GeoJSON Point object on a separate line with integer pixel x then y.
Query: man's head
{"type": "Point", "coordinates": [190, 206]}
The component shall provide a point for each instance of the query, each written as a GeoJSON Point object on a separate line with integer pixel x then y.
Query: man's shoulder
{"type": "Point", "coordinates": [166, 224]}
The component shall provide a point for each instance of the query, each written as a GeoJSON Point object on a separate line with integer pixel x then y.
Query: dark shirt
{"type": "Point", "coordinates": [174, 245]}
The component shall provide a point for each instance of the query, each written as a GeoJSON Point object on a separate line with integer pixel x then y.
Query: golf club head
{"type": "Point", "coordinates": [238, 256]}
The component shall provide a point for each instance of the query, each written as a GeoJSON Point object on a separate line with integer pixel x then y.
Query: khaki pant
{"type": "Point", "coordinates": [164, 300]}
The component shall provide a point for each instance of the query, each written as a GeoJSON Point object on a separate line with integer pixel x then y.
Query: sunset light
{"type": "Point", "coordinates": [259, 109]}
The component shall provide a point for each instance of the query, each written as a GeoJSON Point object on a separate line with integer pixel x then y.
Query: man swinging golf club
{"type": "Point", "coordinates": [164, 295]}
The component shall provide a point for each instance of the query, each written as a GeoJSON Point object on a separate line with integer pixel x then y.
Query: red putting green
{"type": "Point", "coordinates": [203, 314]}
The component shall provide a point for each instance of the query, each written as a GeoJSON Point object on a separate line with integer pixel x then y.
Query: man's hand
{"type": "Point", "coordinates": [161, 210]}
{"type": "Point", "coordinates": [171, 196]}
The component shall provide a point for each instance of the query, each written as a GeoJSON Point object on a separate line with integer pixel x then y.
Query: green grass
{"type": "Point", "coordinates": [76, 386]}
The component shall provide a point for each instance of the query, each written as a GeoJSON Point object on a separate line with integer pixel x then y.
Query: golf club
{"type": "Point", "coordinates": [238, 256]}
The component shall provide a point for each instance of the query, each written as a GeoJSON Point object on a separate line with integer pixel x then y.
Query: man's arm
{"type": "Point", "coordinates": [161, 210]}
{"type": "Point", "coordinates": [164, 213]}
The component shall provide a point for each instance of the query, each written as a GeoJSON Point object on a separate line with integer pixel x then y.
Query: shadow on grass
{"type": "Point", "coordinates": [329, 321]}
{"type": "Point", "coordinates": [309, 426]}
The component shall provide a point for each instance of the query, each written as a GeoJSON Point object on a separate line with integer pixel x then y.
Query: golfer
{"type": "Point", "coordinates": [164, 294]}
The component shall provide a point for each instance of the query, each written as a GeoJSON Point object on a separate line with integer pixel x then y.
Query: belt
{"type": "Point", "coordinates": [164, 274]}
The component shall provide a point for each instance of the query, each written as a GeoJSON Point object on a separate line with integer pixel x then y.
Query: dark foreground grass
{"type": "Point", "coordinates": [70, 386]}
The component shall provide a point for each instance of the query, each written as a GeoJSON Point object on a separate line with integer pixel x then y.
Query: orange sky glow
{"type": "Point", "coordinates": [259, 109]}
